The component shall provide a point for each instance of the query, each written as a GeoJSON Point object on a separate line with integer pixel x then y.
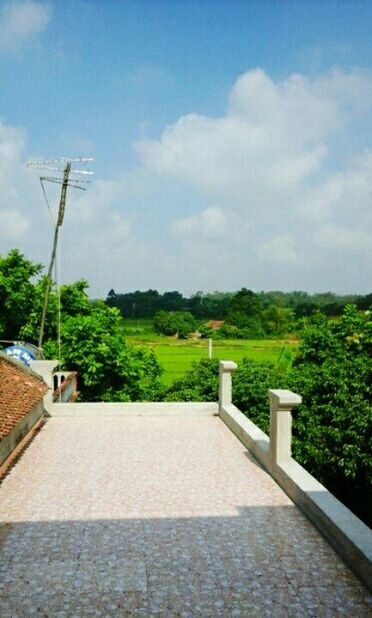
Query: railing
{"type": "Point", "coordinates": [65, 386]}
{"type": "Point", "coordinates": [270, 451]}
{"type": "Point", "coordinates": [348, 535]}
{"type": "Point", "coordinates": [62, 384]}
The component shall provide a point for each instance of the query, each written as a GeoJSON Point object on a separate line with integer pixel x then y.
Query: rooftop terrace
{"type": "Point", "coordinates": [165, 513]}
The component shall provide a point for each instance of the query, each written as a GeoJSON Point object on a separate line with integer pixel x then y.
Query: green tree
{"type": "Point", "coordinates": [74, 301]}
{"type": "Point", "coordinates": [17, 292]}
{"type": "Point", "coordinates": [277, 320]}
{"type": "Point", "coordinates": [200, 383]}
{"type": "Point", "coordinates": [251, 383]}
{"type": "Point", "coordinates": [109, 368]}
{"type": "Point", "coordinates": [333, 426]}
{"type": "Point", "coordinates": [180, 323]}
{"type": "Point", "coordinates": [244, 311]}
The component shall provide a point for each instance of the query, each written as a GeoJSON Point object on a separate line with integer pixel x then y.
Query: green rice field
{"type": "Point", "coordinates": [176, 356]}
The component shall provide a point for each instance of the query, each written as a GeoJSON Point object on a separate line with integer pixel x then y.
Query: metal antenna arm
{"type": "Point", "coordinates": [61, 212]}
{"type": "Point", "coordinates": [65, 168]}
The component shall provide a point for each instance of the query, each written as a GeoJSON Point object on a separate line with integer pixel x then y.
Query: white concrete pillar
{"type": "Point", "coordinates": [281, 404]}
{"type": "Point", "coordinates": [225, 386]}
{"type": "Point", "coordinates": [45, 369]}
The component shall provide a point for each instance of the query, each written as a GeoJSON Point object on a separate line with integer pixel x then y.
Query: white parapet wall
{"type": "Point", "coordinates": [168, 408]}
{"type": "Point", "coordinates": [347, 534]}
{"type": "Point", "coordinates": [45, 369]}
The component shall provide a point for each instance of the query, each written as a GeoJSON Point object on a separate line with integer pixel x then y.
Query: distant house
{"type": "Point", "coordinates": [215, 324]}
{"type": "Point", "coordinates": [21, 403]}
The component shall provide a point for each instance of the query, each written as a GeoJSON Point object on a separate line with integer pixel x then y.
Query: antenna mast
{"type": "Point", "coordinates": [45, 165]}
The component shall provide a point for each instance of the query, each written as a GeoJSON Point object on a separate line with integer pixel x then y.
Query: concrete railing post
{"type": "Point", "coordinates": [225, 385]}
{"type": "Point", "coordinates": [45, 369]}
{"type": "Point", "coordinates": [281, 404]}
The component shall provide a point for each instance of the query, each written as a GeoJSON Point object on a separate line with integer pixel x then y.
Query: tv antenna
{"type": "Point", "coordinates": [62, 166]}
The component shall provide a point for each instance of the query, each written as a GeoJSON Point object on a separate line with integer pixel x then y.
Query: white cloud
{"type": "Point", "coordinates": [13, 225]}
{"type": "Point", "coordinates": [262, 196]}
{"type": "Point", "coordinates": [96, 239]}
{"type": "Point", "coordinates": [274, 165]}
{"type": "Point", "coordinates": [342, 238]}
{"type": "Point", "coordinates": [270, 142]}
{"type": "Point", "coordinates": [211, 223]}
{"type": "Point", "coordinates": [20, 21]}
{"type": "Point", "coordinates": [279, 250]}
{"type": "Point", "coordinates": [14, 183]}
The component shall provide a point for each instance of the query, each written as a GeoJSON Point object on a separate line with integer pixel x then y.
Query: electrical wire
{"type": "Point", "coordinates": [57, 276]}
{"type": "Point", "coordinates": [47, 201]}
{"type": "Point", "coordinates": [58, 284]}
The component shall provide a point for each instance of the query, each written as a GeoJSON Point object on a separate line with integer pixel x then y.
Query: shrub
{"type": "Point", "coordinates": [180, 323]}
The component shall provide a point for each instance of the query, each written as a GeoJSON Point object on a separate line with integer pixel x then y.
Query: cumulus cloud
{"type": "Point", "coordinates": [343, 238]}
{"type": "Point", "coordinates": [14, 217]}
{"type": "Point", "coordinates": [279, 250]}
{"type": "Point", "coordinates": [96, 239]}
{"type": "Point", "coordinates": [13, 225]}
{"type": "Point", "coordinates": [272, 138]}
{"type": "Point", "coordinates": [211, 223]}
{"type": "Point", "coordinates": [274, 165]}
{"type": "Point", "coordinates": [265, 196]}
{"type": "Point", "coordinates": [20, 21]}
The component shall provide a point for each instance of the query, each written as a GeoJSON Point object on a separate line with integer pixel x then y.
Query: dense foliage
{"type": "Point", "coordinates": [109, 368]}
{"type": "Point", "coordinates": [146, 304]}
{"type": "Point", "coordinates": [332, 429]}
{"type": "Point", "coordinates": [180, 323]}
{"type": "Point", "coordinates": [17, 292]}
{"type": "Point", "coordinates": [200, 383]}
{"type": "Point", "coordinates": [217, 305]}
{"type": "Point", "coordinates": [244, 312]}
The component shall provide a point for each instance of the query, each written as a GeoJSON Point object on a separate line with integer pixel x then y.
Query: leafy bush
{"type": "Point", "coordinates": [180, 323]}
{"type": "Point", "coordinates": [200, 383]}
{"type": "Point", "coordinates": [17, 292]}
{"type": "Point", "coordinates": [206, 332]}
{"type": "Point", "coordinates": [333, 427]}
{"type": "Point", "coordinates": [251, 383]}
{"type": "Point", "coordinates": [109, 368]}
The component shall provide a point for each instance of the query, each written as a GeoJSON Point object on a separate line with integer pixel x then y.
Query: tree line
{"type": "Point", "coordinates": [245, 314]}
{"type": "Point", "coordinates": [216, 305]}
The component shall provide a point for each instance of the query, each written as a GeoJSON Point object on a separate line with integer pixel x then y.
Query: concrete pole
{"type": "Point", "coordinates": [281, 404]}
{"type": "Point", "coordinates": [210, 348]}
{"type": "Point", "coordinates": [225, 385]}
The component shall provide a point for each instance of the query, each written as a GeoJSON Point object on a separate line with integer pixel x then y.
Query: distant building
{"type": "Point", "coordinates": [215, 324]}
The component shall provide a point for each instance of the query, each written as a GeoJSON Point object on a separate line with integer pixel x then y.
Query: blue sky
{"type": "Point", "coordinates": [232, 140]}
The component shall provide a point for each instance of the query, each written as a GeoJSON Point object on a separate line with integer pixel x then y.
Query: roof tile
{"type": "Point", "coordinates": [20, 391]}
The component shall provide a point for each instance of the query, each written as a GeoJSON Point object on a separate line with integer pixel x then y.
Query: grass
{"type": "Point", "coordinates": [176, 356]}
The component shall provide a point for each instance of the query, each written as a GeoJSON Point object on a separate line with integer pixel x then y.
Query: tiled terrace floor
{"type": "Point", "coordinates": [159, 516]}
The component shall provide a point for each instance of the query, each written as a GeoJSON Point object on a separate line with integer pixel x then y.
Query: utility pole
{"type": "Point", "coordinates": [61, 212]}
{"type": "Point", "coordinates": [210, 348]}
{"type": "Point", "coordinates": [65, 182]}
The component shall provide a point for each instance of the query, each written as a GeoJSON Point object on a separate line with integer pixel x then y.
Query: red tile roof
{"type": "Point", "coordinates": [20, 390]}
{"type": "Point", "coordinates": [215, 324]}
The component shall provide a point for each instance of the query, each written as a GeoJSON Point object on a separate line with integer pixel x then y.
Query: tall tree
{"type": "Point", "coordinates": [17, 292]}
